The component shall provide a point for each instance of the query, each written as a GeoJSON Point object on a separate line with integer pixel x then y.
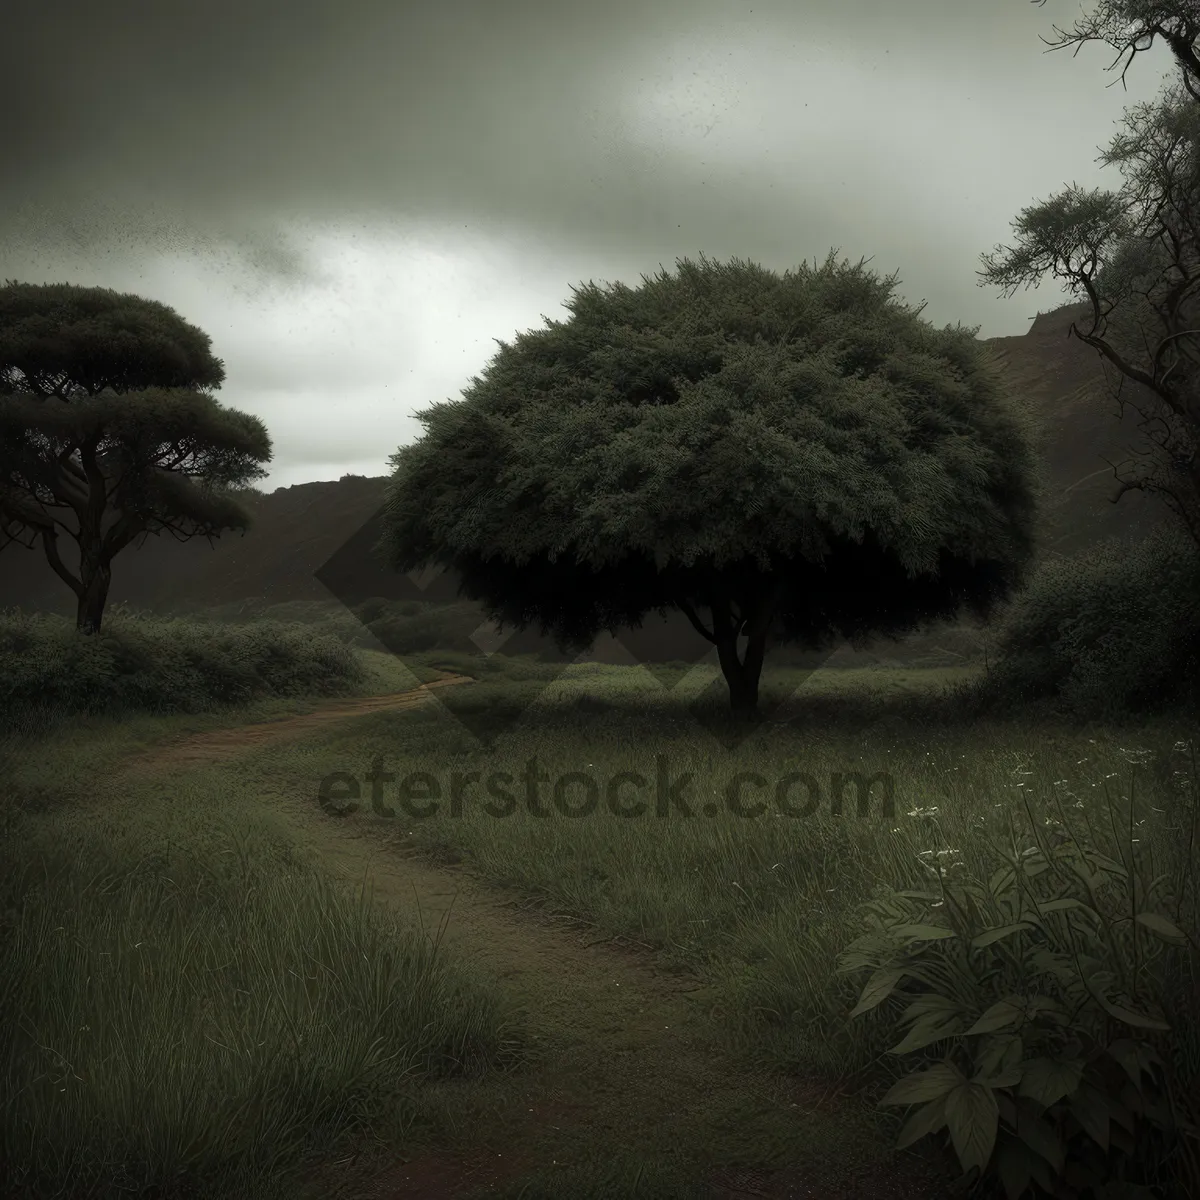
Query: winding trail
{"type": "Point", "coordinates": [221, 745]}
{"type": "Point", "coordinates": [623, 1050]}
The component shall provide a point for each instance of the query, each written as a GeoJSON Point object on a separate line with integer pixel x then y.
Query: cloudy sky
{"type": "Point", "coordinates": [354, 198]}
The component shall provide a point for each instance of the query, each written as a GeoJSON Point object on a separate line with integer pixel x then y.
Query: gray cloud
{"type": "Point", "coordinates": [354, 198]}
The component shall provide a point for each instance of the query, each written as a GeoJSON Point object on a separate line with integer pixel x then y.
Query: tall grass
{"type": "Point", "coordinates": [208, 1013]}
{"type": "Point", "coordinates": [763, 907]}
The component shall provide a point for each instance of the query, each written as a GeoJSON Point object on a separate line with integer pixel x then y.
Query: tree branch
{"type": "Point", "coordinates": [687, 610]}
{"type": "Point", "coordinates": [49, 537]}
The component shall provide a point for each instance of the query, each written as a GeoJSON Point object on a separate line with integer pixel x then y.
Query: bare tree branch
{"type": "Point", "coordinates": [1135, 256]}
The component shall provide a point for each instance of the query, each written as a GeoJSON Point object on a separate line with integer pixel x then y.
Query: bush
{"type": "Point", "coordinates": [1059, 992]}
{"type": "Point", "coordinates": [1112, 631]}
{"type": "Point", "coordinates": [410, 627]}
{"type": "Point", "coordinates": [142, 663]}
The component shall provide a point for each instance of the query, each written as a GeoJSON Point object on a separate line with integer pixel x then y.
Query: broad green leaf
{"type": "Point", "coordinates": [1090, 880]}
{"type": "Point", "coordinates": [1048, 1080]}
{"type": "Point", "coordinates": [923, 933]}
{"type": "Point", "coordinates": [879, 987]}
{"type": "Point", "coordinates": [851, 962]}
{"type": "Point", "coordinates": [972, 1117]}
{"type": "Point", "coordinates": [1001, 931]}
{"type": "Point", "coordinates": [1000, 1057]}
{"type": "Point", "coordinates": [1064, 903]}
{"type": "Point", "coordinates": [1130, 1017]}
{"type": "Point", "coordinates": [1098, 982]}
{"type": "Point", "coordinates": [874, 951]}
{"type": "Point", "coordinates": [922, 1086]}
{"type": "Point", "coordinates": [1055, 964]}
{"type": "Point", "coordinates": [1105, 864]}
{"type": "Point", "coordinates": [1044, 1006]}
{"type": "Point", "coordinates": [1003, 1013]}
{"type": "Point", "coordinates": [1122, 1135]}
{"type": "Point", "coordinates": [1090, 1107]}
{"type": "Point", "coordinates": [1041, 1138]}
{"type": "Point", "coordinates": [1162, 928]}
{"type": "Point", "coordinates": [932, 1003]}
{"type": "Point", "coordinates": [1018, 1165]}
{"type": "Point", "coordinates": [1006, 1078]}
{"type": "Point", "coordinates": [1135, 1057]}
{"type": "Point", "coordinates": [1002, 880]}
{"type": "Point", "coordinates": [997, 1083]}
{"type": "Point", "coordinates": [873, 940]}
{"type": "Point", "coordinates": [1032, 865]}
{"type": "Point", "coordinates": [929, 1029]}
{"type": "Point", "coordinates": [929, 1118]}
{"type": "Point", "coordinates": [1014, 1167]}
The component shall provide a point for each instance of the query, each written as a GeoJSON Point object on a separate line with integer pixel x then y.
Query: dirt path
{"type": "Point", "coordinates": [623, 1050]}
{"type": "Point", "coordinates": [220, 745]}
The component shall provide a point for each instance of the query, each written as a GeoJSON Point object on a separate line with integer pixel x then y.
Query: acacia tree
{"type": "Point", "coordinates": [1130, 27]}
{"type": "Point", "coordinates": [100, 420]}
{"type": "Point", "coordinates": [1135, 255]}
{"type": "Point", "coordinates": [801, 456]}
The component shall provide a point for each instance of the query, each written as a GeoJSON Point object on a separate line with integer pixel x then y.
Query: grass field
{"type": "Point", "coordinates": [210, 1004]}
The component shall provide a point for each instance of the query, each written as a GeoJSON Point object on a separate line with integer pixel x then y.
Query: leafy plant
{"type": "Point", "coordinates": [1042, 990]}
{"type": "Point", "coordinates": [1113, 629]}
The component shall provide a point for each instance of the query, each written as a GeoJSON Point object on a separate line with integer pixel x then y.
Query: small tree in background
{"type": "Point", "coordinates": [1136, 255]}
{"type": "Point", "coordinates": [801, 456]}
{"type": "Point", "coordinates": [100, 419]}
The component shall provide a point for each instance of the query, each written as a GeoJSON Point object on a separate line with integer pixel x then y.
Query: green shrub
{"type": "Point", "coordinates": [410, 627]}
{"type": "Point", "coordinates": [1113, 630]}
{"type": "Point", "coordinates": [1059, 995]}
{"type": "Point", "coordinates": [151, 664]}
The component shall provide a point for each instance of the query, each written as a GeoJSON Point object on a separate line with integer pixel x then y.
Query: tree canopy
{"type": "Point", "coordinates": [101, 419]}
{"type": "Point", "coordinates": [801, 455]}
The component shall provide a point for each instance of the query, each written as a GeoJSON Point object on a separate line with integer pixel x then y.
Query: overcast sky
{"type": "Point", "coordinates": [354, 198]}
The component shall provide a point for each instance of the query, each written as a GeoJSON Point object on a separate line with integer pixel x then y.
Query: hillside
{"type": "Point", "coordinates": [297, 529]}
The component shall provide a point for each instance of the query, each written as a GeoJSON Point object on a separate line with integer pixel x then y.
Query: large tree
{"type": "Point", "coordinates": [800, 456]}
{"type": "Point", "coordinates": [102, 422]}
{"type": "Point", "coordinates": [1135, 255]}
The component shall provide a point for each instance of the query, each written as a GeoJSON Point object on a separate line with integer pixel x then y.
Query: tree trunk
{"type": "Point", "coordinates": [742, 676]}
{"type": "Point", "coordinates": [95, 577]}
{"type": "Point", "coordinates": [743, 673]}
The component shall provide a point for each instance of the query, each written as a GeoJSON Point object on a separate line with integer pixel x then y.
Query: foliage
{"type": "Point", "coordinates": [100, 419]}
{"type": "Point", "coordinates": [758, 909]}
{"type": "Point", "coordinates": [1050, 988]}
{"type": "Point", "coordinates": [152, 665]}
{"type": "Point", "coordinates": [1130, 27]}
{"type": "Point", "coordinates": [1112, 630]}
{"type": "Point", "coordinates": [1135, 255]}
{"type": "Point", "coordinates": [802, 456]}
